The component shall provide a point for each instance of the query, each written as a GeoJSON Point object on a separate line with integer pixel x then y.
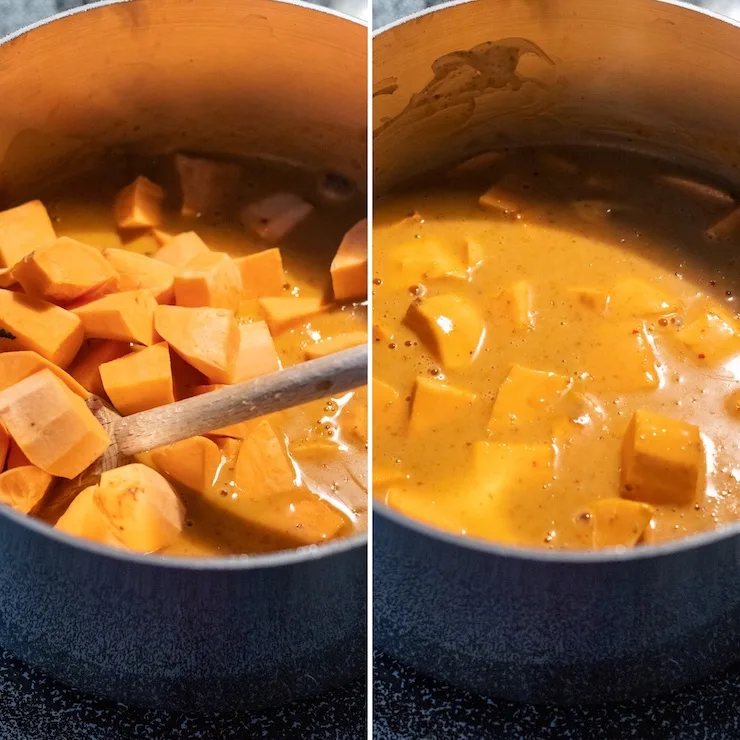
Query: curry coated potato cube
{"type": "Point", "coordinates": [384, 397]}
{"type": "Point", "coordinates": [501, 468]}
{"type": "Point", "coordinates": [435, 403]}
{"type": "Point", "coordinates": [349, 266]}
{"type": "Point", "coordinates": [192, 463]}
{"type": "Point", "coordinates": [618, 522]}
{"type": "Point", "coordinates": [589, 300]}
{"type": "Point", "coordinates": [517, 301]}
{"type": "Point", "coordinates": [525, 395]}
{"type": "Point", "coordinates": [282, 314]}
{"type": "Point", "coordinates": [23, 229]}
{"type": "Point", "coordinates": [633, 297]}
{"type": "Point", "coordinates": [712, 336]}
{"type": "Point", "coordinates": [451, 327]}
{"type": "Point", "coordinates": [139, 205]}
{"type": "Point", "coordinates": [420, 261]}
{"type": "Point", "coordinates": [263, 467]}
{"type": "Point", "coordinates": [662, 459]}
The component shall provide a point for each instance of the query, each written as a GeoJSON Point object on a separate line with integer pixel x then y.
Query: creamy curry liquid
{"type": "Point", "coordinates": [326, 440]}
{"type": "Point", "coordinates": [570, 224]}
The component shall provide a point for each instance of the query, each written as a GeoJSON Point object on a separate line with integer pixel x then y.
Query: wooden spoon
{"type": "Point", "coordinates": [298, 384]}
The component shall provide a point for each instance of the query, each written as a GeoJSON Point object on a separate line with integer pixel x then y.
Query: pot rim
{"type": "Point", "coordinates": [309, 553]}
{"type": "Point", "coordinates": [542, 555]}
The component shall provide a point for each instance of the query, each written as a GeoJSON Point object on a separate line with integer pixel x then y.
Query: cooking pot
{"type": "Point", "coordinates": [151, 76]}
{"type": "Point", "coordinates": [537, 625]}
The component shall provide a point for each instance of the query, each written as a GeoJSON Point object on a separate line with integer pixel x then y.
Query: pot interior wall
{"type": "Point", "coordinates": [228, 76]}
{"type": "Point", "coordinates": [480, 75]}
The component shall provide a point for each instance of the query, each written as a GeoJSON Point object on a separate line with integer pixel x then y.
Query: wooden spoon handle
{"type": "Point", "coordinates": [307, 381]}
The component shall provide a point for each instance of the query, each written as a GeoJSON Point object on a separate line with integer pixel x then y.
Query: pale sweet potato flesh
{"type": "Point", "coordinates": [139, 272]}
{"type": "Point", "coordinates": [139, 205]}
{"type": "Point", "coordinates": [23, 229]}
{"type": "Point", "coordinates": [123, 317]}
{"type": "Point", "coordinates": [15, 366]}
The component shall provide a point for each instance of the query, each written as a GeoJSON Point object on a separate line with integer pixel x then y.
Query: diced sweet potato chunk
{"type": "Point", "coordinates": [86, 367]}
{"type": "Point", "coordinates": [713, 336]}
{"type": "Point", "coordinates": [262, 273]}
{"type": "Point", "coordinates": [633, 297]}
{"type": "Point", "coordinates": [64, 271]}
{"type": "Point", "coordinates": [140, 506]}
{"type": "Point", "coordinates": [206, 338]}
{"type": "Point", "coordinates": [28, 323]}
{"type": "Point", "coordinates": [140, 380]}
{"type": "Point", "coordinates": [192, 463]}
{"type": "Point", "coordinates": [22, 230]}
{"type": "Point", "coordinates": [124, 317]}
{"type": "Point", "coordinates": [4, 445]}
{"type": "Point", "coordinates": [349, 266]}
{"type": "Point", "coordinates": [181, 249]}
{"type": "Point", "coordinates": [257, 352]}
{"type": "Point", "coordinates": [207, 185]}
{"type": "Point", "coordinates": [139, 272]}
{"type": "Point", "coordinates": [139, 205]}
{"type": "Point", "coordinates": [662, 459]}
{"type": "Point", "coordinates": [525, 396]}
{"type": "Point", "coordinates": [420, 261]}
{"type": "Point", "coordinates": [84, 518]}
{"type": "Point", "coordinates": [620, 358]}
{"type": "Point", "coordinates": [504, 466]}
{"type": "Point", "coordinates": [15, 366]}
{"type": "Point", "coordinates": [52, 425]}
{"type": "Point", "coordinates": [23, 488]}
{"type": "Point", "coordinates": [384, 396]}
{"type": "Point", "coordinates": [276, 215]}
{"type": "Point", "coordinates": [336, 344]}
{"type": "Point", "coordinates": [284, 313]}
{"type": "Point", "coordinates": [436, 404]}
{"type": "Point", "coordinates": [518, 302]}
{"type": "Point", "coordinates": [618, 522]}
{"type": "Point", "coordinates": [209, 279]}
{"type": "Point", "coordinates": [263, 467]}
{"type": "Point", "coordinates": [451, 327]}
{"type": "Point", "coordinates": [234, 431]}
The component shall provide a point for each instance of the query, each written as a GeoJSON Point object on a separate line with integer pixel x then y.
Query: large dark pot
{"type": "Point", "coordinates": [231, 76]}
{"type": "Point", "coordinates": [542, 626]}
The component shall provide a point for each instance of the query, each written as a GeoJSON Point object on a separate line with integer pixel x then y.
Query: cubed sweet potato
{"type": "Point", "coordinates": [208, 186]}
{"type": "Point", "coordinates": [209, 279]}
{"type": "Point", "coordinates": [450, 326]}
{"type": "Point", "coordinates": [206, 338]}
{"type": "Point", "coordinates": [139, 205]}
{"type": "Point", "coordinates": [23, 488]}
{"type": "Point", "coordinates": [83, 518]}
{"type": "Point", "coordinates": [276, 215]}
{"type": "Point", "coordinates": [662, 459]}
{"type": "Point", "coordinates": [619, 523]}
{"type": "Point", "coordinates": [335, 344]}
{"type": "Point", "coordinates": [52, 425]}
{"type": "Point", "coordinates": [257, 352]}
{"type": "Point", "coordinates": [140, 380]}
{"type": "Point", "coordinates": [192, 463]}
{"type": "Point", "coordinates": [181, 249]}
{"type": "Point", "coordinates": [23, 229]}
{"type": "Point", "coordinates": [588, 300]}
{"type": "Point", "coordinates": [123, 317]}
{"type": "Point", "coordinates": [637, 298]}
{"type": "Point", "coordinates": [712, 336]}
{"type": "Point", "coordinates": [263, 467]}
{"type": "Point", "coordinates": [28, 323]}
{"type": "Point", "coordinates": [517, 302]}
{"type": "Point", "coordinates": [139, 272]}
{"type": "Point", "coordinates": [349, 266]}
{"type": "Point", "coordinates": [285, 313]}
{"type": "Point", "coordinates": [436, 404]}
{"type": "Point", "coordinates": [65, 271]}
{"type": "Point", "coordinates": [86, 367]}
{"type": "Point", "coordinates": [262, 274]}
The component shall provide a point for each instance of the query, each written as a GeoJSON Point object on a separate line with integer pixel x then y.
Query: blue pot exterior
{"type": "Point", "coordinates": [186, 638]}
{"type": "Point", "coordinates": [557, 631]}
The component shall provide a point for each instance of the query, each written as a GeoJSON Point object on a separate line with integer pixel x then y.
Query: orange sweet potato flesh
{"type": "Point", "coordinates": [349, 267]}
{"type": "Point", "coordinates": [140, 506]}
{"type": "Point", "coordinates": [284, 313]}
{"type": "Point", "coordinates": [23, 229]}
{"type": "Point", "coordinates": [83, 518]}
{"type": "Point", "coordinates": [140, 380]}
{"type": "Point", "coordinates": [86, 367]}
{"type": "Point", "coordinates": [336, 344]}
{"type": "Point", "coordinates": [15, 366]}
{"type": "Point", "coordinates": [23, 488]}
{"type": "Point", "coordinates": [52, 425]}
{"type": "Point", "coordinates": [263, 467]}
{"type": "Point", "coordinates": [234, 431]}
{"type": "Point", "coordinates": [16, 458]}
{"type": "Point", "coordinates": [139, 272]}
{"type": "Point", "coordinates": [28, 323]}
{"type": "Point", "coordinates": [209, 279]}
{"type": "Point", "coordinates": [193, 463]}
{"type": "Point", "coordinates": [257, 352]}
{"type": "Point", "coordinates": [139, 205]}
{"type": "Point", "coordinates": [181, 249]}
{"type": "Point", "coordinates": [65, 271]}
{"type": "Point", "coordinates": [262, 273]}
{"type": "Point", "coordinates": [206, 338]}
{"type": "Point", "coordinates": [4, 445]}
{"type": "Point", "coordinates": [123, 317]}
